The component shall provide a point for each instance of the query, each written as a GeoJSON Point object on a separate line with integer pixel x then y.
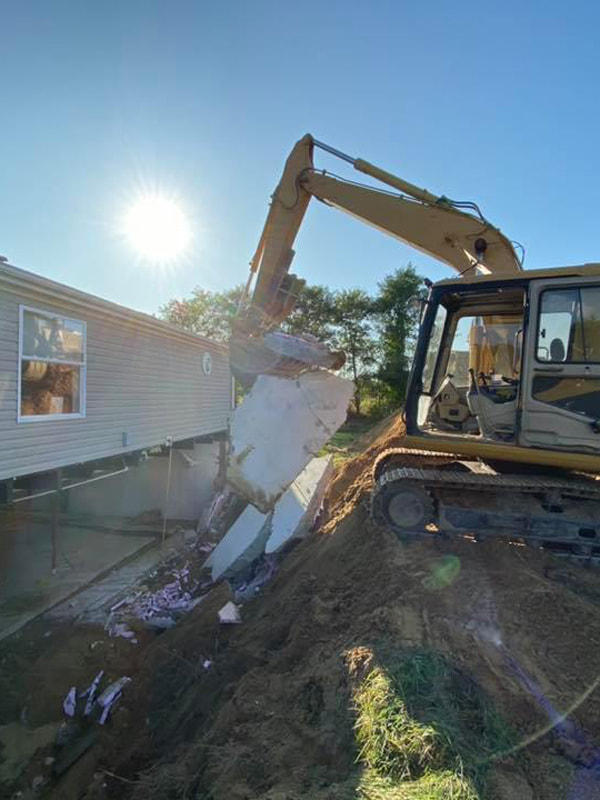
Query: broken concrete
{"type": "Point", "coordinates": [255, 533]}
{"type": "Point", "coordinates": [279, 427]}
{"type": "Point", "coordinates": [297, 509]}
{"type": "Point", "coordinates": [241, 545]}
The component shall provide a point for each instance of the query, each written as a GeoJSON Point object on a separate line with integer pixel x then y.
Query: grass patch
{"type": "Point", "coordinates": [424, 731]}
{"type": "Point", "coordinates": [434, 786]}
{"type": "Point", "coordinates": [342, 443]}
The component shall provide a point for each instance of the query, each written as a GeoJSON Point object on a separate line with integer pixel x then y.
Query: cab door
{"type": "Point", "coordinates": [561, 366]}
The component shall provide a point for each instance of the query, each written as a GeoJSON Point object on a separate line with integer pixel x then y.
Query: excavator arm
{"type": "Point", "coordinates": [455, 233]}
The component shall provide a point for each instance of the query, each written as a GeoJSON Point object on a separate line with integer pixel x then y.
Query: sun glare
{"type": "Point", "coordinates": [157, 228]}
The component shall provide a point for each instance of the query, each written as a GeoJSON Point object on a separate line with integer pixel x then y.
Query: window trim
{"type": "Point", "coordinates": [82, 365]}
{"type": "Point", "coordinates": [578, 287]}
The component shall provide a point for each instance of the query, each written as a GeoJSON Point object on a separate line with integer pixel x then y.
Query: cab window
{"type": "Point", "coordinates": [569, 325]}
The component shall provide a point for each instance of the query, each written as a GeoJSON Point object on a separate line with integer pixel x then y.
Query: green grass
{"type": "Point", "coordinates": [424, 732]}
{"type": "Point", "coordinates": [341, 444]}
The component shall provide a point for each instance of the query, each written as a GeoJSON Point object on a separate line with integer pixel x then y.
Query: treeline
{"type": "Point", "coordinates": [376, 332]}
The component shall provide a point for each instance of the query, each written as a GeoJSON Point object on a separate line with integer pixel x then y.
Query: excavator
{"type": "Point", "coordinates": [503, 404]}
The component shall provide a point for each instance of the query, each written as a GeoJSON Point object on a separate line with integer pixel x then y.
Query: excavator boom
{"type": "Point", "coordinates": [455, 233]}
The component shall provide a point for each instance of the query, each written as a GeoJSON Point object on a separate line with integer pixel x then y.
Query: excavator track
{"type": "Point", "coordinates": [417, 493]}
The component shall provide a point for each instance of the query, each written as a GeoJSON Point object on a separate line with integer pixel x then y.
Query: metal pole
{"type": "Point", "coordinates": [168, 490]}
{"type": "Point", "coordinates": [54, 521]}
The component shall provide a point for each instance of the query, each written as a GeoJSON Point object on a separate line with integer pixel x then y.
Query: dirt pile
{"type": "Point", "coordinates": [513, 634]}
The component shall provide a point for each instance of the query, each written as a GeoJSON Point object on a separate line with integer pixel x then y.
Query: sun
{"type": "Point", "coordinates": [157, 228]}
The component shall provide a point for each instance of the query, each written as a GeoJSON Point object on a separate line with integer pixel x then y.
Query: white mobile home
{"type": "Point", "coordinates": [105, 414]}
{"type": "Point", "coordinates": [83, 379]}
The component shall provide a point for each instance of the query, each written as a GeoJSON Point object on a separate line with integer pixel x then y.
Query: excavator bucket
{"type": "Point", "coordinates": [278, 353]}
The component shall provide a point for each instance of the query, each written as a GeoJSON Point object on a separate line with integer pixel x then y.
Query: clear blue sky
{"type": "Point", "coordinates": [495, 102]}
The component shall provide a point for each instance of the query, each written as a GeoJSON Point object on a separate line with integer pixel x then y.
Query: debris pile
{"type": "Point", "coordinates": [274, 716]}
{"type": "Point", "coordinates": [261, 690]}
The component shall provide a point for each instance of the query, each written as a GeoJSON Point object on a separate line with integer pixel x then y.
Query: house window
{"type": "Point", "coordinates": [52, 366]}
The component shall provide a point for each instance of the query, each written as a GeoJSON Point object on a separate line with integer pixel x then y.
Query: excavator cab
{"type": "Point", "coordinates": [512, 363]}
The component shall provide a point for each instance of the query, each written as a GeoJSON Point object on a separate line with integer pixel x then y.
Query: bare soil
{"type": "Point", "coordinates": [272, 717]}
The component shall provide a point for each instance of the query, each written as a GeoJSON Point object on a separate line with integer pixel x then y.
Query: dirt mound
{"type": "Point", "coordinates": [279, 713]}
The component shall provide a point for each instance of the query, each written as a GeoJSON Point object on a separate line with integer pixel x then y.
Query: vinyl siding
{"type": "Point", "coordinates": [144, 379]}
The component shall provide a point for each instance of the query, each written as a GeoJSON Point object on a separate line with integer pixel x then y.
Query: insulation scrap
{"type": "Point", "coordinates": [175, 597]}
{"type": "Point", "coordinates": [110, 696]}
{"type": "Point", "coordinates": [121, 629]}
{"type": "Point", "coordinates": [70, 702]}
{"type": "Point", "coordinates": [229, 614]}
{"type": "Point", "coordinates": [263, 573]}
{"type": "Point", "coordinates": [90, 693]}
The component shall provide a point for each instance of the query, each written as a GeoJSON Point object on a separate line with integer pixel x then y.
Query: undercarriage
{"type": "Point", "coordinates": [417, 493]}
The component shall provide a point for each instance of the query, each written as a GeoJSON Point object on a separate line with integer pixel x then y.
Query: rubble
{"type": "Point", "coordinates": [297, 509]}
{"type": "Point", "coordinates": [70, 702]}
{"type": "Point", "coordinates": [110, 696]}
{"type": "Point", "coordinates": [264, 570]}
{"type": "Point", "coordinates": [229, 614]}
{"type": "Point", "coordinates": [255, 533]}
{"type": "Point", "coordinates": [269, 448]}
{"type": "Point", "coordinates": [90, 693]}
{"type": "Point", "coordinates": [242, 544]}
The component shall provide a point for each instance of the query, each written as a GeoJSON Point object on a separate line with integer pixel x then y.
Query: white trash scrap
{"type": "Point", "coordinates": [70, 702]}
{"type": "Point", "coordinates": [229, 614]}
{"type": "Point", "coordinates": [90, 693]}
{"type": "Point", "coordinates": [102, 705]}
{"type": "Point", "coordinates": [110, 696]}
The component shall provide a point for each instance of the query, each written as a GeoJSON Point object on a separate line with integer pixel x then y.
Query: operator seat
{"type": "Point", "coordinates": [557, 350]}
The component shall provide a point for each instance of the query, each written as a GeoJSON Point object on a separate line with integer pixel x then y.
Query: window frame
{"type": "Point", "coordinates": [82, 365]}
{"type": "Point", "coordinates": [578, 288]}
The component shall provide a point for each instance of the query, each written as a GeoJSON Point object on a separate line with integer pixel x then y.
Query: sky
{"type": "Point", "coordinates": [101, 102]}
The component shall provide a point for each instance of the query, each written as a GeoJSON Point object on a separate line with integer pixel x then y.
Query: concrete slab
{"type": "Point", "coordinates": [297, 509]}
{"type": "Point", "coordinates": [242, 543]}
{"type": "Point", "coordinates": [27, 585]}
{"type": "Point", "coordinates": [279, 428]}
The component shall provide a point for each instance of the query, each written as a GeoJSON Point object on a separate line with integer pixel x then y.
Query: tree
{"type": "Point", "coordinates": [314, 314]}
{"type": "Point", "coordinates": [206, 313]}
{"type": "Point", "coordinates": [354, 335]}
{"type": "Point", "coordinates": [397, 320]}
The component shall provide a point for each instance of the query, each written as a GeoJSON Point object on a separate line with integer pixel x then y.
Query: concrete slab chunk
{"type": "Point", "coordinates": [279, 428]}
{"type": "Point", "coordinates": [298, 507]}
{"type": "Point", "coordinates": [242, 543]}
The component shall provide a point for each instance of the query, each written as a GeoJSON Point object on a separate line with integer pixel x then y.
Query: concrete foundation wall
{"type": "Point", "coordinates": [144, 487]}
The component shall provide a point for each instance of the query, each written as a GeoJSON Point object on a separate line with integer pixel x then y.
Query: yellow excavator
{"type": "Point", "coordinates": [503, 405]}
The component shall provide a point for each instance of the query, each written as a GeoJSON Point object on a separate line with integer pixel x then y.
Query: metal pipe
{"type": "Point", "coordinates": [34, 496]}
{"type": "Point", "coordinates": [379, 174]}
{"type": "Point", "coordinates": [97, 478]}
{"type": "Point", "coordinates": [334, 152]}
{"type": "Point", "coordinates": [70, 486]}
{"type": "Point", "coordinates": [167, 493]}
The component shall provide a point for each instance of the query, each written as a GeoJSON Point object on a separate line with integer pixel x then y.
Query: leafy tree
{"type": "Point", "coordinates": [353, 333]}
{"type": "Point", "coordinates": [314, 313]}
{"type": "Point", "coordinates": [205, 313]}
{"type": "Point", "coordinates": [376, 334]}
{"type": "Point", "coordinates": [397, 320]}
